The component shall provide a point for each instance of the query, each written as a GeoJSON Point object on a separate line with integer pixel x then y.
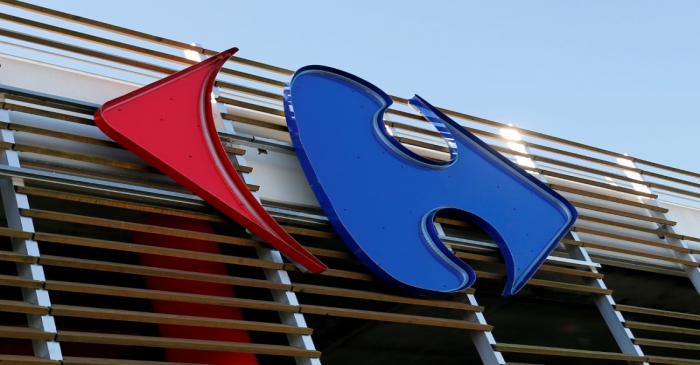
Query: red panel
{"type": "Point", "coordinates": [177, 285]}
{"type": "Point", "coordinates": [170, 125]}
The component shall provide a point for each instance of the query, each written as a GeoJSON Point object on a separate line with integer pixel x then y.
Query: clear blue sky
{"type": "Point", "coordinates": [622, 75]}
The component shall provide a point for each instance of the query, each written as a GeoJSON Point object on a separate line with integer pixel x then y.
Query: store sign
{"type": "Point", "coordinates": [379, 196]}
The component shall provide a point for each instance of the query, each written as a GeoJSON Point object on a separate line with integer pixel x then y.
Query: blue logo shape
{"type": "Point", "coordinates": [381, 197]}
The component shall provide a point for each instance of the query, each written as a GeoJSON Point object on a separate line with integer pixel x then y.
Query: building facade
{"type": "Point", "coordinates": [99, 249]}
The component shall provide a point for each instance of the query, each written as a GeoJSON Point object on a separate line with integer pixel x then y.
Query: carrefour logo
{"type": "Point", "coordinates": [379, 196]}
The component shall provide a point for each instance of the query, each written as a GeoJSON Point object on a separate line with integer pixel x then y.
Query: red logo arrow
{"type": "Point", "coordinates": [170, 125]}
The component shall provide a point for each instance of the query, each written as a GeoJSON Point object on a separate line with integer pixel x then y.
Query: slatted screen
{"type": "Point", "coordinates": [87, 236]}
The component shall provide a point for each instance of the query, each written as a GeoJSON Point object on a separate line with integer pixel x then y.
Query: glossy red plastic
{"type": "Point", "coordinates": [170, 124]}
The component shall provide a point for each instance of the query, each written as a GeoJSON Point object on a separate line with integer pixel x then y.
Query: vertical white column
{"type": "Point", "coordinates": [605, 303]}
{"type": "Point", "coordinates": [12, 203]}
{"type": "Point", "coordinates": [692, 272]}
{"type": "Point", "coordinates": [484, 341]}
{"type": "Point", "coordinates": [278, 276]}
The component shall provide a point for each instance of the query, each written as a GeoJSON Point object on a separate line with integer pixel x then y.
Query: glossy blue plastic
{"type": "Point", "coordinates": [381, 197]}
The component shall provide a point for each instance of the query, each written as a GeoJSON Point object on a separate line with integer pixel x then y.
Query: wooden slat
{"type": "Point", "coordinates": [661, 328]}
{"type": "Point", "coordinates": [587, 354]}
{"type": "Point", "coordinates": [104, 161]}
{"type": "Point", "coordinates": [329, 253]}
{"type": "Point", "coordinates": [666, 167]}
{"type": "Point", "coordinates": [231, 145]}
{"type": "Point", "coordinates": [15, 281]}
{"type": "Point", "coordinates": [274, 96]}
{"type": "Point", "coordinates": [99, 160]}
{"type": "Point", "coordinates": [119, 291]}
{"type": "Point", "coordinates": [671, 360]}
{"type": "Point", "coordinates": [375, 296]}
{"type": "Point", "coordinates": [48, 101]}
{"type": "Point", "coordinates": [674, 189]}
{"type": "Point", "coordinates": [25, 333]}
{"type": "Point", "coordinates": [454, 222]}
{"type": "Point", "coordinates": [254, 122]}
{"type": "Point", "coordinates": [173, 319]}
{"type": "Point", "coordinates": [181, 343]}
{"type": "Point", "coordinates": [5, 145]}
{"type": "Point", "coordinates": [599, 184]}
{"type": "Point", "coordinates": [668, 178]}
{"type": "Point", "coordinates": [54, 166]}
{"type": "Point", "coordinates": [572, 272]}
{"type": "Point", "coordinates": [543, 268]}
{"type": "Point", "coordinates": [626, 264]}
{"type": "Point", "coordinates": [43, 112]}
{"type": "Point", "coordinates": [558, 151]}
{"type": "Point", "coordinates": [622, 213]}
{"type": "Point", "coordinates": [26, 360]}
{"type": "Point", "coordinates": [500, 271]}
{"type": "Point", "coordinates": [552, 260]}
{"type": "Point", "coordinates": [627, 251]}
{"type": "Point", "coordinates": [318, 233]}
{"type": "Point", "coordinates": [137, 227]}
{"type": "Point", "coordinates": [633, 227]}
{"type": "Point", "coordinates": [14, 233]}
{"type": "Point", "coordinates": [578, 288]}
{"type": "Point", "coordinates": [345, 274]}
{"type": "Point", "coordinates": [84, 264]}
{"type": "Point", "coordinates": [73, 360]}
{"type": "Point", "coordinates": [251, 106]}
{"type": "Point", "coordinates": [423, 144]}
{"type": "Point", "coordinates": [608, 198]}
{"type": "Point", "coordinates": [393, 317]}
{"type": "Point", "coordinates": [565, 352]}
{"type": "Point", "coordinates": [165, 184]}
{"type": "Point", "coordinates": [62, 135]}
{"type": "Point", "coordinates": [627, 238]}
{"type": "Point", "coordinates": [667, 344]}
{"type": "Point", "coordinates": [17, 257]}
{"type": "Point", "coordinates": [657, 312]}
{"type": "Point", "coordinates": [16, 306]}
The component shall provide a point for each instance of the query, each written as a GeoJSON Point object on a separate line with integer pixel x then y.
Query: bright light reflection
{"type": "Point", "coordinates": [510, 134]}
{"type": "Point", "coordinates": [193, 55]}
{"type": "Point", "coordinates": [633, 175]}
